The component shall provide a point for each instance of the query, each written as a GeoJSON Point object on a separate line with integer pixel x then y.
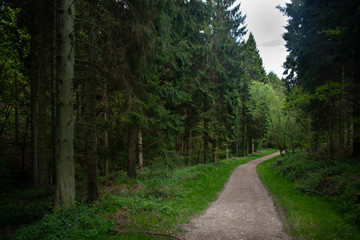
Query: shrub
{"type": "Point", "coordinates": [78, 222]}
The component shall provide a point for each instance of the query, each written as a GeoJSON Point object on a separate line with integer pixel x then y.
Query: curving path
{"type": "Point", "coordinates": [243, 210]}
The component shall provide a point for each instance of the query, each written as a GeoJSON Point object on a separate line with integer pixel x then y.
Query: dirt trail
{"type": "Point", "coordinates": [243, 210]}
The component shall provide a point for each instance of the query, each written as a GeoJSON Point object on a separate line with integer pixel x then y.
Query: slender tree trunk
{"type": "Point", "coordinates": [206, 130]}
{"type": "Point", "coordinates": [90, 115]}
{"type": "Point", "coordinates": [53, 92]}
{"type": "Point", "coordinates": [65, 168]}
{"type": "Point", "coordinates": [252, 145]}
{"type": "Point", "coordinates": [24, 143]}
{"type": "Point", "coordinates": [247, 146]}
{"type": "Point", "coordinates": [237, 139]}
{"type": "Point", "coordinates": [43, 153]}
{"type": "Point", "coordinates": [227, 151]}
{"type": "Point", "coordinates": [243, 130]}
{"type": "Point", "coordinates": [132, 142]}
{"type": "Point", "coordinates": [34, 135]}
{"type": "Point", "coordinates": [106, 134]}
{"type": "Point", "coordinates": [214, 150]}
{"type": "Point", "coordinates": [140, 151]}
{"type": "Point", "coordinates": [309, 134]}
{"type": "Point", "coordinates": [16, 113]}
{"type": "Point", "coordinates": [43, 78]}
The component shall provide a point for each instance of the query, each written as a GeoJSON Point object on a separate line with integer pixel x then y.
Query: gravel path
{"type": "Point", "coordinates": [243, 210]}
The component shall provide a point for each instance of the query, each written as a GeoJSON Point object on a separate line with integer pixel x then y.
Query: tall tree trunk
{"type": "Point", "coordinates": [53, 92]}
{"type": "Point", "coordinates": [24, 143]}
{"type": "Point", "coordinates": [309, 134]}
{"type": "Point", "coordinates": [34, 134]}
{"type": "Point", "coordinates": [43, 155]}
{"type": "Point", "coordinates": [106, 134]}
{"type": "Point", "coordinates": [16, 113]}
{"type": "Point", "coordinates": [247, 146]}
{"type": "Point", "coordinates": [214, 150]}
{"type": "Point", "coordinates": [90, 111]}
{"type": "Point", "coordinates": [206, 129]}
{"type": "Point", "coordinates": [65, 169]}
{"type": "Point", "coordinates": [43, 78]}
{"type": "Point", "coordinates": [237, 139]}
{"type": "Point", "coordinates": [140, 151]}
{"type": "Point", "coordinates": [252, 145]}
{"type": "Point", "coordinates": [243, 130]}
{"type": "Point", "coordinates": [132, 142]}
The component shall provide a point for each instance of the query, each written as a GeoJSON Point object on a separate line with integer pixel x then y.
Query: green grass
{"type": "Point", "coordinates": [307, 216]}
{"type": "Point", "coordinates": [159, 200]}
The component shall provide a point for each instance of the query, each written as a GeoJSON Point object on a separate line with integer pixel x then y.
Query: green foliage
{"type": "Point", "coordinates": [14, 49]}
{"type": "Point", "coordinates": [78, 222]}
{"type": "Point", "coordinates": [331, 178]}
{"type": "Point", "coordinates": [310, 217]}
{"type": "Point", "coordinates": [278, 122]}
{"type": "Point", "coordinates": [158, 201]}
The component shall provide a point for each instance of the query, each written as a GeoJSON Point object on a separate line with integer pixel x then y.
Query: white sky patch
{"type": "Point", "coordinates": [267, 25]}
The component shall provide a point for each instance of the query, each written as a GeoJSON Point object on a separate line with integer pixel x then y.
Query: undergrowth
{"type": "Point", "coordinates": [158, 201]}
{"type": "Point", "coordinates": [320, 196]}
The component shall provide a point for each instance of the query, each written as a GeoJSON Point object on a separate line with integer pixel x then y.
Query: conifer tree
{"type": "Point", "coordinates": [65, 169]}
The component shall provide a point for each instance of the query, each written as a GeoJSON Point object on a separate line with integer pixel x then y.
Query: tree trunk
{"type": "Point", "coordinates": [43, 153]}
{"type": "Point", "coordinates": [140, 151]}
{"type": "Point", "coordinates": [237, 139]}
{"type": "Point", "coordinates": [214, 150]}
{"type": "Point", "coordinates": [90, 111]}
{"type": "Point", "coordinates": [252, 145]}
{"type": "Point", "coordinates": [34, 134]}
{"type": "Point", "coordinates": [132, 142]}
{"type": "Point", "coordinates": [243, 130]}
{"type": "Point", "coordinates": [247, 146]}
{"type": "Point", "coordinates": [206, 130]}
{"type": "Point", "coordinates": [309, 134]}
{"type": "Point", "coordinates": [106, 134]}
{"type": "Point", "coordinates": [65, 169]}
{"type": "Point", "coordinates": [53, 92]}
{"type": "Point", "coordinates": [16, 113]}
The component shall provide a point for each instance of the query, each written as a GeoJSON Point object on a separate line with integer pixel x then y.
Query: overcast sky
{"type": "Point", "coordinates": [267, 25]}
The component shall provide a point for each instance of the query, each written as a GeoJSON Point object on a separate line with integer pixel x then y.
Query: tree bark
{"type": "Point", "coordinates": [90, 111]}
{"type": "Point", "coordinates": [140, 151]}
{"type": "Point", "coordinates": [34, 135]}
{"type": "Point", "coordinates": [106, 134]}
{"type": "Point", "coordinates": [309, 134]}
{"type": "Point", "coordinates": [65, 169]}
{"type": "Point", "coordinates": [206, 130]}
{"type": "Point", "coordinates": [43, 154]}
{"type": "Point", "coordinates": [132, 141]}
{"type": "Point", "coordinates": [53, 92]}
{"type": "Point", "coordinates": [237, 140]}
{"type": "Point", "coordinates": [252, 145]}
{"type": "Point", "coordinates": [243, 129]}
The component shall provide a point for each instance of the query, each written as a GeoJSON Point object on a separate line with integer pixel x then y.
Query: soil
{"type": "Point", "coordinates": [244, 210]}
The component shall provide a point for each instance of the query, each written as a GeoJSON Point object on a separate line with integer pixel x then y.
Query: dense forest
{"type": "Point", "coordinates": [90, 88]}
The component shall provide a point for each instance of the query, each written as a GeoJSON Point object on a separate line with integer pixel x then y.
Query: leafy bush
{"type": "Point", "coordinates": [337, 179]}
{"type": "Point", "coordinates": [79, 222]}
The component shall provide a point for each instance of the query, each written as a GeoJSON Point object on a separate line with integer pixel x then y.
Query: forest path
{"type": "Point", "coordinates": [243, 210]}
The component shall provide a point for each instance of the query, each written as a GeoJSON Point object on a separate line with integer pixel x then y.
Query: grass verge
{"type": "Point", "coordinates": [307, 216]}
{"type": "Point", "coordinates": [158, 201]}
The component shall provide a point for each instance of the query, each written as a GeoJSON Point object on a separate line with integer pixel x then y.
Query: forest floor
{"type": "Point", "coordinates": [243, 210]}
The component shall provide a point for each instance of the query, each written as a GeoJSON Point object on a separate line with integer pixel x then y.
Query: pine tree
{"type": "Point", "coordinates": [65, 169]}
